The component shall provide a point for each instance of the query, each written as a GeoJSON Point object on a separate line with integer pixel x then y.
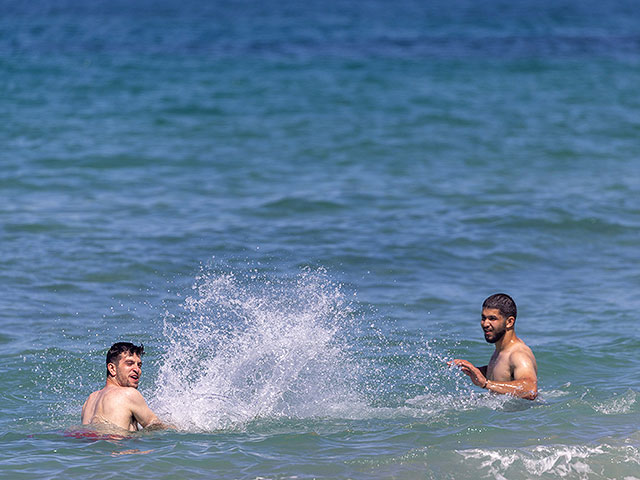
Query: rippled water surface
{"type": "Point", "coordinates": [299, 209]}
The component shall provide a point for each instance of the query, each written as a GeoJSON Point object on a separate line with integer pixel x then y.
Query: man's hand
{"type": "Point", "coordinates": [476, 375]}
{"type": "Point", "coordinates": [524, 386]}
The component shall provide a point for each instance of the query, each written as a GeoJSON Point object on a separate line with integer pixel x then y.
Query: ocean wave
{"type": "Point", "coordinates": [553, 461]}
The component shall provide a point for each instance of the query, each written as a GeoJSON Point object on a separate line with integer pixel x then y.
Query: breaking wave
{"type": "Point", "coordinates": [556, 461]}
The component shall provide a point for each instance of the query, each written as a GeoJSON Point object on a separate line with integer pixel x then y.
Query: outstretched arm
{"type": "Point", "coordinates": [142, 413]}
{"type": "Point", "coordinates": [525, 384]}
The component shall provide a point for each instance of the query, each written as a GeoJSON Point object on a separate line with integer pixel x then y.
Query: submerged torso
{"type": "Point", "coordinates": [108, 407]}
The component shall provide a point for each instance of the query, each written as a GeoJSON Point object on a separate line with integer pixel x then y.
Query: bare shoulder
{"type": "Point", "coordinates": [123, 395]}
{"type": "Point", "coordinates": [129, 393]}
{"type": "Point", "coordinates": [89, 407]}
{"type": "Point", "coordinates": [522, 355]}
{"type": "Point", "coordinates": [92, 399]}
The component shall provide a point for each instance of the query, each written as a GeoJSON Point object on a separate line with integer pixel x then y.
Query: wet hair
{"type": "Point", "coordinates": [119, 348]}
{"type": "Point", "coordinates": [502, 302]}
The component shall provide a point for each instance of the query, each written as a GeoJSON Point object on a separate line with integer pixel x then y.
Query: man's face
{"type": "Point", "coordinates": [493, 324]}
{"type": "Point", "coordinates": [128, 370]}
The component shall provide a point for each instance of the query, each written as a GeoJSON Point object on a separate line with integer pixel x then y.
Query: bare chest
{"type": "Point", "coordinates": [499, 368]}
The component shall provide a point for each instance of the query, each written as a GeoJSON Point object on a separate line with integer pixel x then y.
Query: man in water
{"type": "Point", "coordinates": [512, 369]}
{"type": "Point", "coordinates": [120, 403]}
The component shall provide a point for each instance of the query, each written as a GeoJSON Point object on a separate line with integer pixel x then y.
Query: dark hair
{"type": "Point", "coordinates": [502, 302]}
{"type": "Point", "coordinates": [123, 347]}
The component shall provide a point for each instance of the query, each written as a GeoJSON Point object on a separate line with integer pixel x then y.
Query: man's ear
{"type": "Point", "coordinates": [510, 321]}
{"type": "Point", "coordinates": [111, 368]}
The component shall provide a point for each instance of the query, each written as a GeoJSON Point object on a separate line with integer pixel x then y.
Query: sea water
{"type": "Point", "coordinates": [298, 208]}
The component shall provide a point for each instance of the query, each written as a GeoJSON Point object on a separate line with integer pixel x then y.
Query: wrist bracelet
{"type": "Point", "coordinates": [485, 384]}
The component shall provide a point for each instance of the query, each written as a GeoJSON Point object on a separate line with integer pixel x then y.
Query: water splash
{"type": "Point", "coordinates": [249, 347]}
{"type": "Point", "coordinates": [618, 404]}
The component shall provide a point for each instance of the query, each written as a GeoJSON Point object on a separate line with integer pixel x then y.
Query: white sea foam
{"type": "Point", "coordinates": [618, 404]}
{"type": "Point", "coordinates": [560, 461]}
{"type": "Point", "coordinates": [249, 347]}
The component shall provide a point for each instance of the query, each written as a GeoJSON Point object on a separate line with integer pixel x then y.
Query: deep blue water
{"type": "Point", "coordinates": [298, 209]}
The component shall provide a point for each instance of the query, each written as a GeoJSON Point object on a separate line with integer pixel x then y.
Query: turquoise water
{"type": "Point", "coordinates": [299, 209]}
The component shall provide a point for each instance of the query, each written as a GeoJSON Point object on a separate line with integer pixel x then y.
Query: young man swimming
{"type": "Point", "coordinates": [512, 369]}
{"type": "Point", "coordinates": [120, 403]}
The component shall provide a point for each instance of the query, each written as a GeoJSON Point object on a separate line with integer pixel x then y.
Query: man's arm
{"type": "Point", "coordinates": [142, 413]}
{"type": "Point", "coordinates": [525, 388]}
{"type": "Point", "coordinates": [525, 384]}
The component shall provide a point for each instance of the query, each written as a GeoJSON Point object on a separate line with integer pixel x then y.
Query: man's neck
{"type": "Point", "coordinates": [508, 338]}
{"type": "Point", "coordinates": [111, 382]}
